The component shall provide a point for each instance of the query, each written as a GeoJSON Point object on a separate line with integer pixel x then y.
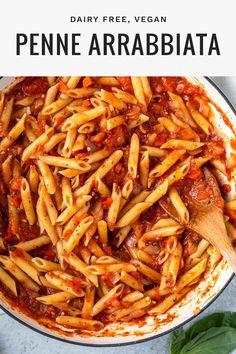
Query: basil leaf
{"type": "Point", "coordinates": [177, 341]}
{"type": "Point", "coordinates": [214, 334]}
{"type": "Point", "coordinates": [214, 320]}
{"type": "Point", "coordinates": [216, 340]}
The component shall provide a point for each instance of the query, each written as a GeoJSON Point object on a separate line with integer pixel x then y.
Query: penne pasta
{"type": "Point", "coordinates": [80, 323]}
{"type": "Point", "coordinates": [114, 208]}
{"type": "Point", "coordinates": [133, 156]}
{"type": "Point", "coordinates": [37, 144]}
{"type": "Point", "coordinates": [65, 162]}
{"type": "Point", "coordinates": [179, 206]}
{"type": "Point", "coordinates": [27, 201]}
{"type": "Point", "coordinates": [92, 170]}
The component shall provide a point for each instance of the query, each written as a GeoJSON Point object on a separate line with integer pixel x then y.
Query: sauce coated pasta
{"type": "Point", "coordinates": [84, 163]}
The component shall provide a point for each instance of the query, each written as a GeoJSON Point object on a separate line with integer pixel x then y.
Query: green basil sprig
{"type": "Point", "coordinates": [214, 334]}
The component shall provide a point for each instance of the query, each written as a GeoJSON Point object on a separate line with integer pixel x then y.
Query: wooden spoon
{"type": "Point", "coordinates": [207, 219]}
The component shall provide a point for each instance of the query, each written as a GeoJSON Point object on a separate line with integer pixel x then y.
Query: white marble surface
{"type": "Point", "coordinates": [17, 339]}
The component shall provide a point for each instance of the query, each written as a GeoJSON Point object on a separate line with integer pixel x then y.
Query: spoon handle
{"type": "Point", "coordinates": [227, 251]}
{"type": "Point", "coordinates": [210, 225]}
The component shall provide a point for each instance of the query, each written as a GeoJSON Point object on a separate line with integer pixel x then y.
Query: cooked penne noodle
{"type": "Point", "coordinates": [88, 302]}
{"type": "Point", "coordinates": [148, 272]}
{"type": "Point", "coordinates": [158, 192]}
{"type": "Point", "coordinates": [53, 141]}
{"type": "Point", "coordinates": [179, 173]}
{"type": "Point", "coordinates": [102, 189]}
{"type": "Point", "coordinates": [17, 171]}
{"type": "Point", "coordinates": [48, 177]}
{"type": "Point", "coordinates": [65, 162]}
{"type": "Point", "coordinates": [181, 109]}
{"type": "Point", "coordinates": [114, 122]}
{"type": "Point", "coordinates": [102, 269]}
{"type": "Point", "coordinates": [69, 142]}
{"type": "Point", "coordinates": [45, 266]}
{"type": "Point", "coordinates": [86, 128]}
{"type": "Point", "coordinates": [112, 100]}
{"type": "Point", "coordinates": [13, 215]}
{"type": "Point", "coordinates": [132, 297]}
{"type": "Point", "coordinates": [56, 106]}
{"type": "Point", "coordinates": [102, 303]}
{"type": "Point", "coordinates": [73, 82]}
{"type": "Point", "coordinates": [81, 267]}
{"type": "Point", "coordinates": [66, 192]}
{"type": "Point", "coordinates": [70, 226]}
{"type": "Point", "coordinates": [167, 303]}
{"type": "Point", "coordinates": [102, 232]}
{"type": "Point", "coordinates": [35, 243]}
{"type": "Point", "coordinates": [164, 223]}
{"type": "Point", "coordinates": [146, 88]}
{"type": "Point", "coordinates": [182, 144]}
{"type": "Point", "coordinates": [2, 99]}
{"type": "Point", "coordinates": [162, 232]}
{"type": "Point", "coordinates": [6, 114]}
{"type": "Point", "coordinates": [8, 281]}
{"type": "Point", "coordinates": [61, 296]}
{"type": "Point", "coordinates": [107, 81]}
{"type": "Point", "coordinates": [145, 257]}
{"type": "Point", "coordinates": [190, 275]}
{"type": "Point", "coordinates": [153, 151]}
{"type": "Point", "coordinates": [51, 95]}
{"type": "Point", "coordinates": [96, 156]}
{"type": "Point", "coordinates": [140, 304]}
{"type": "Point", "coordinates": [107, 165]}
{"type": "Point", "coordinates": [95, 249]}
{"type": "Point", "coordinates": [97, 212]}
{"type": "Point", "coordinates": [133, 156]}
{"type": "Point", "coordinates": [144, 169]}
{"type": "Point", "coordinates": [64, 282]}
{"type": "Point", "coordinates": [131, 281]}
{"type": "Point", "coordinates": [77, 234]}
{"type": "Point", "coordinates": [138, 199]}
{"type": "Point", "coordinates": [13, 134]}
{"type": "Point", "coordinates": [27, 201]}
{"type": "Point", "coordinates": [83, 117]}
{"type": "Point", "coordinates": [231, 205]}
{"type": "Point", "coordinates": [37, 144]}
{"type": "Point", "coordinates": [80, 323]}
{"type": "Point", "coordinates": [84, 190]}
{"type": "Point", "coordinates": [166, 164]}
{"type": "Point", "coordinates": [114, 208]}
{"type": "Point", "coordinates": [51, 209]}
{"type": "Point", "coordinates": [24, 262]}
{"type": "Point", "coordinates": [142, 118]}
{"type": "Point", "coordinates": [171, 269]}
{"type": "Point", "coordinates": [45, 221]}
{"type": "Point", "coordinates": [124, 96]}
{"type": "Point", "coordinates": [7, 170]}
{"type": "Point", "coordinates": [33, 179]}
{"type": "Point", "coordinates": [179, 206]}
{"type": "Point", "coordinates": [219, 165]}
{"type": "Point", "coordinates": [138, 90]}
{"type": "Point", "coordinates": [201, 121]}
{"type": "Point", "coordinates": [23, 278]}
{"type": "Point", "coordinates": [69, 212]}
{"type": "Point", "coordinates": [132, 214]}
{"type": "Point", "coordinates": [121, 235]}
{"type": "Point", "coordinates": [169, 125]}
{"type": "Point", "coordinates": [81, 92]}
